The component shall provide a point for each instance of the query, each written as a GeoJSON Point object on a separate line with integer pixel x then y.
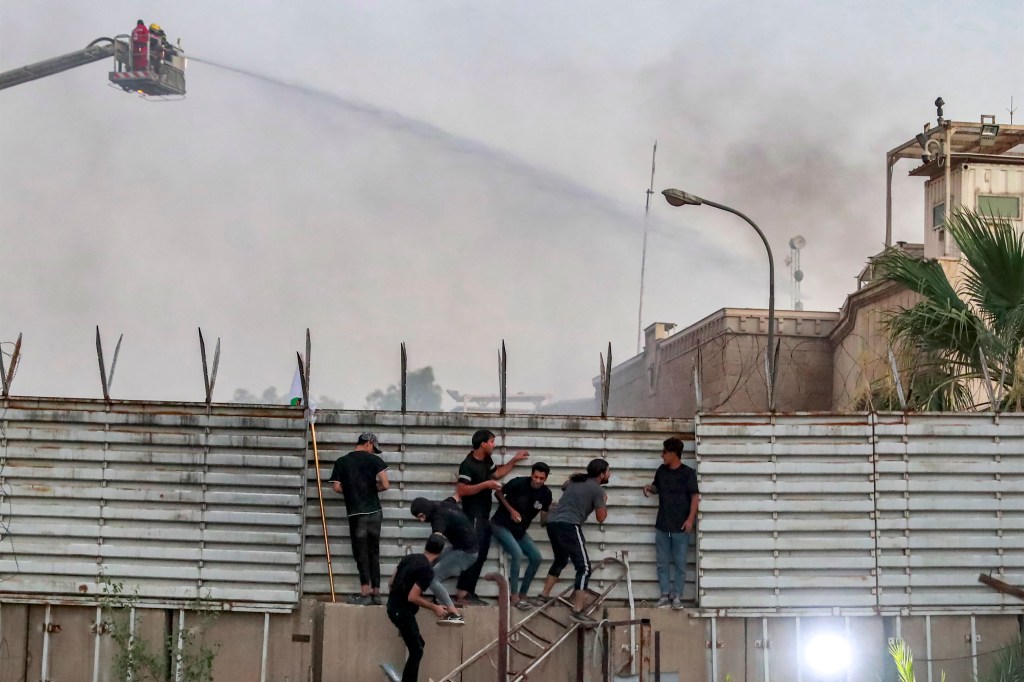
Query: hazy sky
{"type": "Point", "coordinates": [460, 173]}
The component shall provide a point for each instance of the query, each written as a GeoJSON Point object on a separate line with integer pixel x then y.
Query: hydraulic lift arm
{"type": "Point", "coordinates": [101, 48]}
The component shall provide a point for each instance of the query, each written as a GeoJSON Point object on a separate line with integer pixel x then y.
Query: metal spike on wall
{"type": "Point", "coordinates": [302, 379]}
{"type": "Point", "coordinates": [503, 377]}
{"type": "Point", "coordinates": [405, 380]}
{"type": "Point", "coordinates": [896, 379]}
{"type": "Point", "coordinates": [697, 397]}
{"type": "Point", "coordinates": [606, 380]}
{"type": "Point", "coordinates": [305, 383]}
{"type": "Point", "coordinates": [987, 380]}
{"type": "Point", "coordinates": [209, 374]}
{"type": "Point", "coordinates": [106, 378]}
{"type": "Point", "coordinates": [113, 363]}
{"type": "Point", "coordinates": [608, 384]}
{"type": "Point", "coordinates": [7, 373]}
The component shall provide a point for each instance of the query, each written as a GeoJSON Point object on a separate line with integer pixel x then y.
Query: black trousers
{"type": "Point", "coordinates": [468, 579]}
{"type": "Point", "coordinates": [364, 530]}
{"type": "Point", "coordinates": [405, 621]}
{"type": "Point", "coordinates": [568, 543]}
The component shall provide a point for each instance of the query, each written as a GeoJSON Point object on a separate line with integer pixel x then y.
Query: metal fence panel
{"type": "Point", "coordinates": [950, 506]}
{"type": "Point", "coordinates": [424, 450]}
{"type": "Point", "coordinates": [786, 518]}
{"type": "Point", "coordinates": [175, 501]}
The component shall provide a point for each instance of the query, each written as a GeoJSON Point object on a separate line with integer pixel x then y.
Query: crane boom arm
{"type": "Point", "coordinates": [92, 53]}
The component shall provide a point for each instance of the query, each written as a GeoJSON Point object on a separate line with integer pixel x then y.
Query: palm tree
{"type": "Point", "coordinates": [964, 341]}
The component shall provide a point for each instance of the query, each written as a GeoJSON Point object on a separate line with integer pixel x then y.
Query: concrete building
{"type": "Point", "coordinates": [827, 360]}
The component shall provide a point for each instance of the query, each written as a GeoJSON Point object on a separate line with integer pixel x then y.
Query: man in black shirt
{"type": "Point", "coordinates": [478, 477]}
{"type": "Point", "coordinates": [521, 499]}
{"type": "Point", "coordinates": [412, 577]}
{"type": "Point", "coordinates": [675, 484]}
{"type": "Point", "coordinates": [445, 518]}
{"type": "Point", "coordinates": [359, 476]}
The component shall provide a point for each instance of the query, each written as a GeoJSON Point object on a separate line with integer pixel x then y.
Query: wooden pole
{"type": "Point", "coordinates": [323, 516]}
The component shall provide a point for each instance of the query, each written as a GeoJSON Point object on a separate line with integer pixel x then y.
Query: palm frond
{"type": "Point", "coordinates": [993, 253]}
{"type": "Point", "coordinates": [903, 657]}
{"type": "Point", "coordinates": [1009, 667]}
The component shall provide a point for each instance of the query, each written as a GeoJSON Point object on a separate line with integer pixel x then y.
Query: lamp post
{"type": "Point", "coordinates": [678, 197]}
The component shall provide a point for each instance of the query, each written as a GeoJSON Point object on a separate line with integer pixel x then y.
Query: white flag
{"type": "Point", "coordinates": [295, 392]}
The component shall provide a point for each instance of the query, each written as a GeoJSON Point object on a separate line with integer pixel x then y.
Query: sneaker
{"type": "Point", "coordinates": [663, 602]}
{"type": "Point", "coordinates": [582, 618]}
{"type": "Point", "coordinates": [524, 604]}
{"type": "Point", "coordinates": [375, 600]}
{"type": "Point", "coordinates": [677, 604]}
{"type": "Point", "coordinates": [470, 600]}
{"type": "Point", "coordinates": [360, 600]}
{"type": "Point", "coordinates": [451, 619]}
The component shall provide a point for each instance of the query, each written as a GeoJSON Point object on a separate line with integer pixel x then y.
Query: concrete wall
{"type": "Point", "coordinates": [728, 351]}
{"type": "Point", "coordinates": [352, 641]}
{"type": "Point", "coordinates": [72, 651]}
{"type": "Point", "coordinates": [861, 344]}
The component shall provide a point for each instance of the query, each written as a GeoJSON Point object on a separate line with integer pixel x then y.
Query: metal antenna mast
{"type": "Point", "coordinates": [1012, 110]}
{"type": "Point", "coordinates": [643, 257]}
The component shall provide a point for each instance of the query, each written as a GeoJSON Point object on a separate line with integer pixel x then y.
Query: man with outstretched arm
{"type": "Point", "coordinates": [359, 476]}
{"type": "Point", "coordinates": [412, 577]}
{"type": "Point", "coordinates": [520, 501]}
{"type": "Point", "coordinates": [675, 484]}
{"type": "Point", "coordinates": [478, 478]}
{"type": "Point", "coordinates": [582, 495]}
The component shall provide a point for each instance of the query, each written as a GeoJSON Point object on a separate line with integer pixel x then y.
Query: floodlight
{"type": "Point", "coordinates": [828, 655]}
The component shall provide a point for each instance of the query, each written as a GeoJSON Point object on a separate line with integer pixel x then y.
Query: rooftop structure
{"type": "Point", "coordinates": [974, 165]}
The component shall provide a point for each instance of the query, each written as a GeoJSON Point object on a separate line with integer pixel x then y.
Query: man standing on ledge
{"type": "Point", "coordinates": [478, 478]}
{"type": "Point", "coordinates": [521, 499]}
{"type": "Point", "coordinates": [675, 484]}
{"type": "Point", "coordinates": [359, 476]}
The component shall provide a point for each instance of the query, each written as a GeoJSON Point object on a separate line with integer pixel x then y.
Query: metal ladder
{"type": "Point", "coordinates": [521, 649]}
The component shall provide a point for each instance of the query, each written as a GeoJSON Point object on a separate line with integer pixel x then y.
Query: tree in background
{"type": "Point", "coordinates": [270, 396]}
{"type": "Point", "coordinates": [965, 344]}
{"type": "Point", "coordinates": [423, 393]}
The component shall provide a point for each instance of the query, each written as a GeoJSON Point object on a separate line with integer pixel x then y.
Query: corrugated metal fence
{"type": "Point", "coordinates": [860, 511]}
{"type": "Point", "coordinates": [852, 513]}
{"type": "Point", "coordinates": [176, 501]}
{"type": "Point", "coordinates": [424, 450]}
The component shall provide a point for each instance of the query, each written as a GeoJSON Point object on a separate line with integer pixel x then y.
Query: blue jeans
{"type": "Point", "coordinates": [671, 549]}
{"type": "Point", "coordinates": [517, 550]}
{"type": "Point", "coordinates": [451, 563]}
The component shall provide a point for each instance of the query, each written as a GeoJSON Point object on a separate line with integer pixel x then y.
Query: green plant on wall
{"type": "Point", "coordinates": [193, 653]}
{"type": "Point", "coordinates": [1008, 667]}
{"type": "Point", "coordinates": [184, 656]}
{"type": "Point", "coordinates": [134, 657]}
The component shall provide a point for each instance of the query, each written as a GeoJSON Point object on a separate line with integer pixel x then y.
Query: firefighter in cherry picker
{"type": "Point", "coordinates": [140, 46]}
{"type": "Point", "coordinates": [159, 48]}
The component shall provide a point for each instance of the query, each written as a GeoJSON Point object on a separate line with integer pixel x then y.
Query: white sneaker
{"type": "Point", "coordinates": [451, 619]}
{"type": "Point", "coordinates": [677, 604]}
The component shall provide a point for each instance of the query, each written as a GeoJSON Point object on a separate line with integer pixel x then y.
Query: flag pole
{"type": "Point", "coordinates": [319, 484]}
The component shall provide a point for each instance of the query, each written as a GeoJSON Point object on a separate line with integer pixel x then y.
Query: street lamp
{"type": "Point", "coordinates": [677, 197]}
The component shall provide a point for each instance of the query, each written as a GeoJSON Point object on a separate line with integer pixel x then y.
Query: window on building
{"type": "Point", "coordinates": [1005, 206]}
{"type": "Point", "coordinates": [938, 215]}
